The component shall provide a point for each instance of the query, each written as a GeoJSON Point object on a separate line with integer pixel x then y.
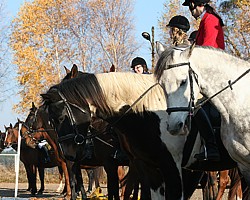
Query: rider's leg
{"type": "Point", "coordinates": [206, 131]}
{"type": "Point", "coordinates": [46, 153]}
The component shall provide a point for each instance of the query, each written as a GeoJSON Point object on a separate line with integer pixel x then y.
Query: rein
{"type": "Point", "coordinates": [230, 85]}
{"type": "Point", "coordinates": [136, 101]}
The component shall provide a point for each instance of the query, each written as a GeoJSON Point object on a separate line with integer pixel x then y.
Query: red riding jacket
{"type": "Point", "coordinates": [210, 32]}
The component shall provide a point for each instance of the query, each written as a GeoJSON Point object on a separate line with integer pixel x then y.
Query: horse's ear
{"type": "Point", "coordinates": [67, 70]}
{"type": "Point", "coordinates": [10, 125]}
{"type": "Point", "coordinates": [5, 127]}
{"type": "Point", "coordinates": [74, 71]}
{"type": "Point", "coordinates": [112, 68]}
{"type": "Point", "coordinates": [159, 48]}
{"type": "Point", "coordinates": [33, 105]}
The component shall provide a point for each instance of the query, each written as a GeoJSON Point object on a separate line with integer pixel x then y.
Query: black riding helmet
{"type": "Point", "coordinates": [196, 2]}
{"type": "Point", "coordinates": [180, 22]}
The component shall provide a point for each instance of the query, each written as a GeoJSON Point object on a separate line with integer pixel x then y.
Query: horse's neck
{"type": "Point", "coordinates": [214, 73]}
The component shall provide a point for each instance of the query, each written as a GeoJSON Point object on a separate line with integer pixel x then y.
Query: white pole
{"type": "Point", "coordinates": [17, 158]}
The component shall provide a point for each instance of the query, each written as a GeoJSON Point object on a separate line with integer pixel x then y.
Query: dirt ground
{"type": "Point", "coordinates": [7, 192]}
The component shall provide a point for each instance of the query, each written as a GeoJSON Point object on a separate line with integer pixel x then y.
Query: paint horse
{"type": "Point", "coordinates": [129, 181]}
{"type": "Point", "coordinates": [136, 112]}
{"type": "Point", "coordinates": [223, 79]}
{"type": "Point", "coordinates": [31, 158]}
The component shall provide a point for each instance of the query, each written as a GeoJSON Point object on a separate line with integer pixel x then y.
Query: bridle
{"type": "Point", "coordinates": [76, 135]}
{"type": "Point", "coordinates": [190, 108]}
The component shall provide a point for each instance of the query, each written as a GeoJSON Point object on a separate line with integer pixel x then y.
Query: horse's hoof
{"type": "Point", "coordinates": [40, 192]}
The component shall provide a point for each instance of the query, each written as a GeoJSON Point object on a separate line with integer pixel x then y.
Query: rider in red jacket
{"type": "Point", "coordinates": [210, 32]}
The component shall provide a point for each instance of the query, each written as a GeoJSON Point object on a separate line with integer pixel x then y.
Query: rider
{"type": "Point", "coordinates": [179, 26]}
{"type": "Point", "coordinates": [210, 33]}
{"type": "Point", "coordinates": [43, 146]}
{"type": "Point", "coordinates": [139, 66]}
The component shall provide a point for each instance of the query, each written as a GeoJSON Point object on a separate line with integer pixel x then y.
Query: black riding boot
{"type": "Point", "coordinates": [46, 154]}
{"type": "Point", "coordinates": [206, 131]}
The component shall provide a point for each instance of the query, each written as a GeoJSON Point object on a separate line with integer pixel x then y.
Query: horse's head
{"type": "Point", "coordinates": [2, 138]}
{"type": "Point", "coordinates": [71, 121]}
{"type": "Point", "coordinates": [11, 135]}
{"type": "Point", "coordinates": [175, 74]}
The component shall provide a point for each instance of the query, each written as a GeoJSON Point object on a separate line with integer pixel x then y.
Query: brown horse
{"type": "Point", "coordinates": [31, 158]}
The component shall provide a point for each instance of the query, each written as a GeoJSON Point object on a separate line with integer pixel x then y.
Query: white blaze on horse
{"type": "Point", "coordinates": [186, 72]}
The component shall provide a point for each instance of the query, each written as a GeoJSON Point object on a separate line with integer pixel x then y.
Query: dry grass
{"type": "Point", "coordinates": [7, 173]}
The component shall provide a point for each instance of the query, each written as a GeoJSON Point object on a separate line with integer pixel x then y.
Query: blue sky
{"type": "Point", "coordinates": [146, 15]}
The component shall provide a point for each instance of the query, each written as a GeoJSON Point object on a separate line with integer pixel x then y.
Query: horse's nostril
{"type": "Point", "coordinates": [180, 125]}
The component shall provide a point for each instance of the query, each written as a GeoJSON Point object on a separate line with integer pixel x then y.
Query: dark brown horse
{"type": "Point", "coordinates": [32, 159]}
{"type": "Point", "coordinates": [2, 137]}
{"type": "Point", "coordinates": [101, 149]}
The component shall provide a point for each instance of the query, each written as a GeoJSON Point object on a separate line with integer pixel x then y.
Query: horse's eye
{"type": "Point", "coordinates": [183, 82]}
{"type": "Point", "coordinates": [61, 119]}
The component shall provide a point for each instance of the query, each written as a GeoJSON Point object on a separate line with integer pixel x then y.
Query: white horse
{"type": "Point", "coordinates": [186, 72]}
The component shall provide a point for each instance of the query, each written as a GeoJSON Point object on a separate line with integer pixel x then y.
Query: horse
{"type": "Point", "coordinates": [136, 111]}
{"type": "Point", "coordinates": [2, 137]}
{"type": "Point", "coordinates": [186, 72]}
{"type": "Point", "coordinates": [101, 153]}
{"type": "Point", "coordinates": [31, 158]}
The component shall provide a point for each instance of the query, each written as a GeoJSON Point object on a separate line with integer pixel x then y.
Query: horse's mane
{"type": "Point", "coordinates": [16, 125]}
{"type": "Point", "coordinates": [108, 91]}
{"type": "Point", "coordinates": [167, 57]}
{"type": "Point", "coordinates": [121, 89]}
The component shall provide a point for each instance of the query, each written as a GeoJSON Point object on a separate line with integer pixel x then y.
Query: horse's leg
{"type": "Point", "coordinates": [204, 186]}
{"type": "Point", "coordinates": [33, 179]}
{"type": "Point", "coordinates": [191, 180]}
{"type": "Point", "coordinates": [112, 180]}
{"type": "Point", "coordinates": [28, 173]}
{"type": "Point", "coordinates": [121, 175]}
{"type": "Point", "coordinates": [212, 185]}
{"type": "Point", "coordinates": [67, 188]}
{"type": "Point", "coordinates": [60, 187]}
{"type": "Point", "coordinates": [90, 173]}
{"type": "Point", "coordinates": [223, 181]}
{"type": "Point", "coordinates": [97, 175]}
{"type": "Point", "coordinates": [41, 176]}
{"type": "Point", "coordinates": [72, 178]}
{"type": "Point", "coordinates": [235, 186]}
{"type": "Point", "coordinates": [80, 181]}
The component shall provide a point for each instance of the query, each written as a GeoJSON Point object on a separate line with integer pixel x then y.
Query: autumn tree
{"type": "Point", "coordinates": [50, 34]}
{"type": "Point", "coordinates": [111, 30]}
{"type": "Point", "coordinates": [235, 14]}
